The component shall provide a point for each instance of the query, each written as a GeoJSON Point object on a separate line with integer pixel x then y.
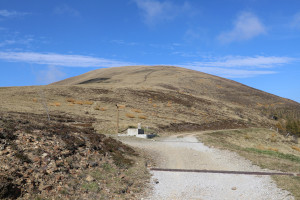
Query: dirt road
{"type": "Point", "coordinates": [188, 153]}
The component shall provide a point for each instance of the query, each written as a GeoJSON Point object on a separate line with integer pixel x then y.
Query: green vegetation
{"type": "Point", "coordinates": [275, 154]}
{"type": "Point", "coordinates": [293, 126]}
{"type": "Point", "coordinates": [93, 187]}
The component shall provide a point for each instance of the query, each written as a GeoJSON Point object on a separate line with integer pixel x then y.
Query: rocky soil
{"type": "Point", "coordinates": [40, 159]}
{"type": "Point", "coordinates": [186, 152]}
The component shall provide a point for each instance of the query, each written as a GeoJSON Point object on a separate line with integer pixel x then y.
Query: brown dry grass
{"type": "Point", "coordinates": [55, 104]}
{"type": "Point", "coordinates": [100, 108]}
{"type": "Point", "coordinates": [160, 94]}
{"type": "Point", "coordinates": [88, 102]}
{"type": "Point", "coordinates": [121, 106]}
{"type": "Point", "coordinates": [136, 110]}
{"type": "Point", "coordinates": [296, 148]}
{"type": "Point", "coordinates": [142, 117]}
{"type": "Point", "coordinates": [70, 100]}
{"type": "Point", "coordinates": [169, 104]}
{"type": "Point", "coordinates": [261, 150]}
{"type": "Point", "coordinates": [130, 115]}
{"type": "Point", "coordinates": [78, 102]}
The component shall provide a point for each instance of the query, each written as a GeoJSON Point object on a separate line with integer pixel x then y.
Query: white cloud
{"type": "Point", "coordinates": [122, 42]}
{"type": "Point", "coordinates": [6, 13]}
{"type": "Point", "coordinates": [247, 26]}
{"type": "Point", "coordinates": [229, 73]}
{"type": "Point", "coordinates": [154, 11]}
{"type": "Point", "coordinates": [25, 41]}
{"type": "Point", "coordinates": [60, 59]}
{"type": "Point", "coordinates": [65, 9]}
{"type": "Point", "coordinates": [52, 74]}
{"type": "Point", "coordinates": [296, 21]}
{"type": "Point", "coordinates": [238, 66]}
{"type": "Point", "coordinates": [253, 62]}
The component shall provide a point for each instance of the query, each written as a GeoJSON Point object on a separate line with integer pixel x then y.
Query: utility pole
{"type": "Point", "coordinates": [117, 130]}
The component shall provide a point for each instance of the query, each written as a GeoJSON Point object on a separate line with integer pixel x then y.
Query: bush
{"type": "Point", "coordinates": [88, 102]}
{"type": "Point", "coordinates": [71, 100]}
{"type": "Point", "coordinates": [129, 115]}
{"type": "Point", "coordinates": [136, 110]}
{"type": "Point", "coordinates": [142, 117]}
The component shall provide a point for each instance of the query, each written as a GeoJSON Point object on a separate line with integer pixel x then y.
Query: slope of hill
{"type": "Point", "coordinates": [164, 98]}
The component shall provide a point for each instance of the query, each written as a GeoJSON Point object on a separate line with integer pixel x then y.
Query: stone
{"type": "Point", "coordinates": [233, 188]}
{"type": "Point", "coordinates": [44, 155]}
{"type": "Point", "coordinates": [89, 178]}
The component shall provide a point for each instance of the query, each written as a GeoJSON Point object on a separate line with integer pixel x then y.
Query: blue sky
{"type": "Point", "coordinates": [255, 42]}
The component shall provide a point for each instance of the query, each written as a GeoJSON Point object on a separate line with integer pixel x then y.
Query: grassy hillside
{"type": "Point", "coordinates": [164, 98]}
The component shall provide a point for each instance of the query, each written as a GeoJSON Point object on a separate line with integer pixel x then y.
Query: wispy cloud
{"type": "Point", "coordinates": [296, 20]}
{"type": "Point", "coordinates": [122, 42]}
{"type": "Point", "coordinates": [7, 14]}
{"type": "Point", "coordinates": [60, 59]}
{"type": "Point", "coordinates": [154, 11]}
{"type": "Point", "coordinates": [246, 26]}
{"type": "Point", "coordinates": [241, 61]}
{"type": "Point", "coordinates": [25, 41]}
{"type": "Point", "coordinates": [50, 75]}
{"type": "Point", "coordinates": [238, 66]}
{"type": "Point", "coordinates": [229, 73]}
{"type": "Point", "coordinates": [66, 10]}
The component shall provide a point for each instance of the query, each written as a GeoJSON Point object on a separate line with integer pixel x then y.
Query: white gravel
{"type": "Point", "coordinates": [187, 153]}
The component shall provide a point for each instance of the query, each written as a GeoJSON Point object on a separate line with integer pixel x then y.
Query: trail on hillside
{"type": "Point", "coordinates": [188, 153]}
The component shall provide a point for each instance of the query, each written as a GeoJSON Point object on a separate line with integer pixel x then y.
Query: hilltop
{"type": "Point", "coordinates": [164, 98]}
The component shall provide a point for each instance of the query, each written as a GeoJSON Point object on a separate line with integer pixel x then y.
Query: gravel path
{"type": "Point", "coordinates": [188, 153]}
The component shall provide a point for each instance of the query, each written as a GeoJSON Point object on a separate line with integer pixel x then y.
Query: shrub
{"type": "Point", "coordinates": [79, 102]}
{"type": "Point", "coordinates": [55, 104]}
{"type": "Point", "coordinates": [273, 149]}
{"type": "Point", "coordinates": [142, 117]}
{"type": "Point", "coordinates": [129, 115]}
{"type": "Point", "coordinates": [121, 106]}
{"type": "Point", "coordinates": [296, 148]}
{"type": "Point", "coordinates": [88, 102]}
{"type": "Point", "coordinates": [136, 110]}
{"type": "Point", "coordinates": [70, 100]}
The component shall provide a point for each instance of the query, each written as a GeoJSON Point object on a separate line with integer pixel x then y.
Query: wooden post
{"type": "Point", "coordinates": [117, 130]}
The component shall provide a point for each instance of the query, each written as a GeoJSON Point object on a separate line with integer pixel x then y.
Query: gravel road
{"type": "Point", "coordinates": [188, 153]}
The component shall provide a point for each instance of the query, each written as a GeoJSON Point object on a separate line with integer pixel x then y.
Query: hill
{"type": "Point", "coordinates": [52, 138]}
{"type": "Point", "coordinates": [163, 98]}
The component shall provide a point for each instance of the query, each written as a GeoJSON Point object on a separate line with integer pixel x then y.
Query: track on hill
{"type": "Point", "coordinates": [187, 153]}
